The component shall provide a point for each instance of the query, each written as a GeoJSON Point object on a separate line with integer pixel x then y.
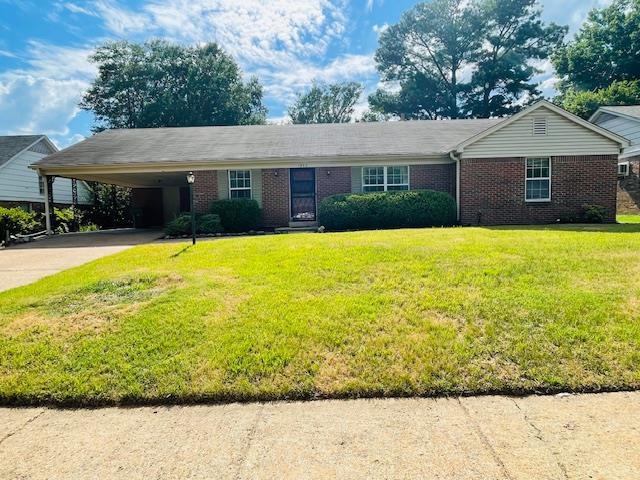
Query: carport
{"type": "Point", "coordinates": [158, 195]}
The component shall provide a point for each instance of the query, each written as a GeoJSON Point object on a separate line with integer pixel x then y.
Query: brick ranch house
{"type": "Point", "coordinates": [538, 166]}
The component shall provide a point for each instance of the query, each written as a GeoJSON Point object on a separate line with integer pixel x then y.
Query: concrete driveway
{"type": "Point", "coordinates": [485, 438]}
{"type": "Point", "coordinates": [26, 263]}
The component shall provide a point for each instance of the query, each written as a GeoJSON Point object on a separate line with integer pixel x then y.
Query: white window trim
{"type": "Point", "coordinates": [537, 200]}
{"type": "Point", "coordinates": [626, 165]}
{"type": "Point", "coordinates": [241, 188]}
{"type": "Point", "coordinates": [385, 183]}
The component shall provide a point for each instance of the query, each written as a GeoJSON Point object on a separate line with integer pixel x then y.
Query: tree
{"type": "Point", "coordinates": [585, 103]}
{"type": "Point", "coordinates": [606, 49]}
{"type": "Point", "coordinates": [158, 84]}
{"type": "Point", "coordinates": [111, 206]}
{"type": "Point", "coordinates": [332, 103]}
{"type": "Point", "coordinates": [460, 58]}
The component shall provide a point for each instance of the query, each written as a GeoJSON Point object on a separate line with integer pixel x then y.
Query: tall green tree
{"type": "Point", "coordinates": [460, 58]}
{"type": "Point", "coordinates": [159, 84]}
{"type": "Point", "coordinates": [606, 49]}
{"type": "Point", "coordinates": [333, 103]}
{"type": "Point", "coordinates": [585, 103]}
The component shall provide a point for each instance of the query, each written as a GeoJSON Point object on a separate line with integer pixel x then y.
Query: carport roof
{"type": "Point", "coordinates": [224, 145]}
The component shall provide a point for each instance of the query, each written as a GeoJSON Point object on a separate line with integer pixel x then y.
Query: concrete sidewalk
{"type": "Point", "coordinates": [573, 437]}
{"type": "Point", "coordinates": [26, 263]}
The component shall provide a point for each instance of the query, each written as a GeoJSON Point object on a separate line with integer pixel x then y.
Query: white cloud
{"type": "Point", "coordinates": [43, 97]}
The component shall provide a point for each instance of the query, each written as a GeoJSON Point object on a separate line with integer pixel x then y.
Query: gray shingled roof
{"type": "Point", "coordinates": [264, 142]}
{"type": "Point", "coordinates": [631, 110]}
{"type": "Point", "coordinates": [11, 145]}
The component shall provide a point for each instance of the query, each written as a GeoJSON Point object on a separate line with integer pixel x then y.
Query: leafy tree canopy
{"type": "Point", "coordinates": [332, 103]}
{"type": "Point", "coordinates": [159, 84]}
{"type": "Point", "coordinates": [606, 49]}
{"type": "Point", "coordinates": [586, 102]}
{"type": "Point", "coordinates": [460, 58]}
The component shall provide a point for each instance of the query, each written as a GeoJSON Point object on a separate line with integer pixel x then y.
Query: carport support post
{"type": "Point", "coordinates": [47, 204]}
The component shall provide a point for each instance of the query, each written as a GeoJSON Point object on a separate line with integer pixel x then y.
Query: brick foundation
{"type": "Point", "coordinates": [275, 197]}
{"type": "Point", "coordinates": [629, 189]}
{"type": "Point", "coordinates": [493, 190]}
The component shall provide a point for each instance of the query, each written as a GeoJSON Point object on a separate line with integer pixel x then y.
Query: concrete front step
{"type": "Point", "coordinates": [296, 229]}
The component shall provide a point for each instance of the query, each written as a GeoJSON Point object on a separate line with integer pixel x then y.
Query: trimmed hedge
{"type": "Point", "coordinates": [16, 221]}
{"type": "Point", "coordinates": [380, 210]}
{"type": "Point", "coordinates": [181, 225]}
{"type": "Point", "coordinates": [238, 215]}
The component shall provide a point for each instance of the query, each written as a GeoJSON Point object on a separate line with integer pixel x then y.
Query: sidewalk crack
{"type": "Point", "coordinates": [249, 442]}
{"type": "Point", "coordinates": [485, 441]}
{"type": "Point", "coordinates": [32, 419]}
{"type": "Point", "coordinates": [540, 436]}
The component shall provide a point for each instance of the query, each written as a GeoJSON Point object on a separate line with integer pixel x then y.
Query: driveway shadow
{"type": "Point", "coordinates": [104, 238]}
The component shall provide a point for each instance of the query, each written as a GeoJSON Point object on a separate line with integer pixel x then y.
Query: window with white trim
{"type": "Point", "coordinates": [623, 169]}
{"type": "Point", "coordinates": [384, 179]}
{"type": "Point", "coordinates": [538, 179]}
{"type": "Point", "coordinates": [239, 183]}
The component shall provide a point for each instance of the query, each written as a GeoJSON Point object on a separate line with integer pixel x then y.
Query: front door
{"type": "Point", "coordinates": [303, 194]}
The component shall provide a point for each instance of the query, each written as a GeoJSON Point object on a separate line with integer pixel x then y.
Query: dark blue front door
{"type": "Point", "coordinates": [303, 194]}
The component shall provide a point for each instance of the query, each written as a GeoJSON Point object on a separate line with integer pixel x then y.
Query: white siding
{"type": "Point", "coordinates": [563, 137]}
{"type": "Point", "coordinates": [625, 127]}
{"type": "Point", "coordinates": [356, 179]}
{"type": "Point", "coordinates": [19, 183]}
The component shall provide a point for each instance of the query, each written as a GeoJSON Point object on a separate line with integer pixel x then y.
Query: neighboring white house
{"type": "Point", "coordinates": [625, 121]}
{"type": "Point", "coordinates": [20, 185]}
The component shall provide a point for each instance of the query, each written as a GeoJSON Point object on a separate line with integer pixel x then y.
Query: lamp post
{"type": "Point", "coordinates": [191, 178]}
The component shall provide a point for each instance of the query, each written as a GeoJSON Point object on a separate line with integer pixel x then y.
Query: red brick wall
{"type": "Point", "coordinates": [332, 181]}
{"type": "Point", "coordinates": [275, 197]}
{"type": "Point", "coordinates": [205, 190]}
{"type": "Point", "coordinates": [629, 189]}
{"type": "Point", "coordinates": [434, 177]}
{"type": "Point", "coordinates": [492, 190]}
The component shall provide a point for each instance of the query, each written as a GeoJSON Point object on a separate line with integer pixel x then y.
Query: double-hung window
{"type": "Point", "coordinates": [538, 179]}
{"type": "Point", "coordinates": [239, 183]}
{"type": "Point", "coordinates": [383, 179]}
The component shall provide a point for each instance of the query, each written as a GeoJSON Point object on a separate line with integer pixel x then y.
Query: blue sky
{"type": "Point", "coordinates": [287, 43]}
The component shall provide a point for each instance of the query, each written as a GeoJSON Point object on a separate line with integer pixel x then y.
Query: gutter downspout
{"type": "Point", "coordinates": [456, 159]}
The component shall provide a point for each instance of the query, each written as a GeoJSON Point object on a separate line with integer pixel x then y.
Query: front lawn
{"type": "Point", "coordinates": [628, 218]}
{"type": "Point", "coordinates": [407, 312]}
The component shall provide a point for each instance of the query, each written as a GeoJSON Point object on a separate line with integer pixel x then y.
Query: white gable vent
{"type": "Point", "coordinates": [540, 125]}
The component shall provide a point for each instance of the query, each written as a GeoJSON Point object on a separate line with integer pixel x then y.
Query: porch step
{"type": "Point", "coordinates": [302, 224]}
{"type": "Point", "coordinates": [296, 229]}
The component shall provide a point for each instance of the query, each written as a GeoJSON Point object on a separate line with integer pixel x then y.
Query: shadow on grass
{"type": "Point", "coordinates": [185, 250]}
{"type": "Point", "coordinates": [572, 227]}
{"type": "Point", "coordinates": [134, 401]}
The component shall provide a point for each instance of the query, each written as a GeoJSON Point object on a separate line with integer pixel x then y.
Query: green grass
{"type": "Point", "coordinates": [408, 312]}
{"type": "Point", "coordinates": [628, 218]}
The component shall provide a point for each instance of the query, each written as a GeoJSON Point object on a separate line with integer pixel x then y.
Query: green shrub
{"type": "Point", "coordinates": [16, 221]}
{"type": "Point", "coordinates": [594, 213]}
{"type": "Point", "coordinates": [181, 225]}
{"type": "Point", "coordinates": [91, 227]}
{"type": "Point", "coordinates": [209, 223]}
{"type": "Point", "coordinates": [67, 219]}
{"type": "Point", "coordinates": [238, 215]}
{"type": "Point", "coordinates": [379, 210]}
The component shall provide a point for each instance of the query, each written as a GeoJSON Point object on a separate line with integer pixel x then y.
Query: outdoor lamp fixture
{"type": "Point", "coordinates": [191, 178]}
